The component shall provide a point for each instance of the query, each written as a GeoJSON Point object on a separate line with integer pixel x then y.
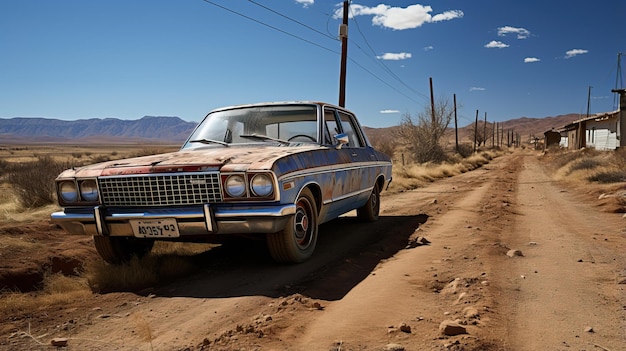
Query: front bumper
{"type": "Point", "coordinates": [192, 221]}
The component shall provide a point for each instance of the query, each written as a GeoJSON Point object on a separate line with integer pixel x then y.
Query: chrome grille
{"type": "Point", "coordinates": [160, 190]}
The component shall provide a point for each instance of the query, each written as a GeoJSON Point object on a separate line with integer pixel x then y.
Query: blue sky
{"type": "Point", "coordinates": [78, 59]}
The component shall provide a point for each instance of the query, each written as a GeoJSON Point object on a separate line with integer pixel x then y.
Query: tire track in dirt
{"type": "Point", "coordinates": [566, 280]}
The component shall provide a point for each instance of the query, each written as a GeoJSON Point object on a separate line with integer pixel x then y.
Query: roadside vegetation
{"type": "Point", "coordinates": [589, 165]}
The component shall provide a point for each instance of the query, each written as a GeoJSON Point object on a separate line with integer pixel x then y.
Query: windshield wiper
{"type": "Point", "coordinates": [209, 141]}
{"type": "Point", "coordinates": [264, 138]}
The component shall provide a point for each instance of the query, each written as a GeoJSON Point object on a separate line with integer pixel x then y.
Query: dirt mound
{"type": "Point", "coordinates": [31, 251]}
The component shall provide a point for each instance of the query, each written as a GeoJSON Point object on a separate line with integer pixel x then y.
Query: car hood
{"type": "Point", "coordinates": [225, 159]}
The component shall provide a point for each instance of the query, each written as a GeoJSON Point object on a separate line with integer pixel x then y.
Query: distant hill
{"type": "Point", "coordinates": [155, 129]}
{"type": "Point", "coordinates": [537, 126]}
{"type": "Point", "coordinates": [523, 126]}
{"type": "Point", "coordinates": [175, 130]}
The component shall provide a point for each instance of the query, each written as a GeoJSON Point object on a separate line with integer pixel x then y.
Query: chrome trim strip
{"type": "Point", "coordinates": [156, 174]}
{"type": "Point", "coordinates": [332, 169]}
{"type": "Point", "coordinates": [203, 213]}
{"type": "Point", "coordinates": [207, 218]}
{"type": "Point", "coordinates": [98, 218]}
{"type": "Point", "coordinates": [280, 211]}
{"type": "Point", "coordinates": [64, 217]}
{"type": "Point", "coordinates": [345, 196]}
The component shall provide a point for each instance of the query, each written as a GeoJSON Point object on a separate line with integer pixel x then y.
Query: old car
{"type": "Point", "coordinates": [275, 170]}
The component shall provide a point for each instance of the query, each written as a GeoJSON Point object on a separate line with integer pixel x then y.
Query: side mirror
{"type": "Point", "coordinates": [342, 139]}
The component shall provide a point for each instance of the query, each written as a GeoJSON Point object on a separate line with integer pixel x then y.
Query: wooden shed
{"type": "Point", "coordinates": [599, 131]}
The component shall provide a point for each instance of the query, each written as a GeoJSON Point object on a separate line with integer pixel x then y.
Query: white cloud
{"type": "Point", "coordinates": [448, 15]}
{"type": "Point", "coordinates": [496, 44]}
{"type": "Point", "coordinates": [476, 89]}
{"type": "Point", "coordinates": [395, 56]}
{"type": "Point", "coordinates": [389, 111]}
{"type": "Point", "coordinates": [575, 52]}
{"type": "Point", "coordinates": [531, 59]}
{"type": "Point", "coordinates": [428, 48]}
{"type": "Point", "coordinates": [399, 18]}
{"type": "Point", "coordinates": [305, 3]}
{"type": "Point", "coordinates": [522, 33]}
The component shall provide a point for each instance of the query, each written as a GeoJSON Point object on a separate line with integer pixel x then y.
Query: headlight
{"type": "Point", "coordinates": [68, 191]}
{"type": "Point", "coordinates": [89, 190]}
{"type": "Point", "coordinates": [235, 186]}
{"type": "Point", "coordinates": [262, 185]}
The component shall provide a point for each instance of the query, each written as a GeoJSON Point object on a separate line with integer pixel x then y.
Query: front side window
{"type": "Point", "coordinates": [330, 127]}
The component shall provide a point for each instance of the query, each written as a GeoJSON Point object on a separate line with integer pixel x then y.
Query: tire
{"type": "Point", "coordinates": [297, 241]}
{"type": "Point", "coordinates": [120, 249]}
{"type": "Point", "coordinates": [370, 211]}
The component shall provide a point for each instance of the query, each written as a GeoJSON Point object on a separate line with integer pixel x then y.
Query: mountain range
{"type": "Point", "coordinates": [175, 130]}
{"type": "Point", "coordinates": [148, 128]}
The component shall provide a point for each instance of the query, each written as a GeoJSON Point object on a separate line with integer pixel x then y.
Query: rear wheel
{"type": "Point", "coordinates": [120, 249]}
{"type": "Point", "coordinates": [297, 241]}
{"type": "Point", "coordinates": [369, 212]}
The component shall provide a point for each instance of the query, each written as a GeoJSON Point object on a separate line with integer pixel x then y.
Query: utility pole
{"type": "Point", "coordinates": [485, 131]}
{"type": "Point", "coordinates": [456, 127]}
{"type": "Point", "coordinates": [493, 135]}
{"type": "Point", "coordinates": [343, 34]}
{"type": "Point", "coordinates": [432, 101]}
{"type": "Point", "coordinates": [475, 130]}
{"type": "Point", "coordinates": [588, 100]}
{"type": "Point", "coordinates": [618, 77]}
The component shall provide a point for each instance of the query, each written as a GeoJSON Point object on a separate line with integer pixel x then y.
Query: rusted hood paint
{"type": "Point", "coordinates": [225, 159]}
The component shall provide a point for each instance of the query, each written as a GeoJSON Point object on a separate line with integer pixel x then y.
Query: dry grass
{"type": "Point", "coordinates": [166, 262]}
{"type": "Point", "coordinates": [58, 290]}
{"type": "Point", "coordinates": [31, 170]}
{"type": "Point", "coordinates": [86, 154]}
{"type": "Point", "coordinates": [418, 175]}
{"type": "Point", "coordinates": [584, 166]}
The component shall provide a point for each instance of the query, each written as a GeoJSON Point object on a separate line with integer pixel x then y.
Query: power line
{"type": "Point", "coordinates": [382, 64]}
{"type": "Point", "coordinates": [312, 43]}
{"type": "Point", "coordinates": [382, 81]}
{"type": "Point", "coordinates": [270, 26]}
{"type": "Point", "coordinates": [293, 20]}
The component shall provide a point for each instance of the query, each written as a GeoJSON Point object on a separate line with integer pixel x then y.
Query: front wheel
{"type": "Point", "coordinates": [297, 241]}
{"type": "Point", "coordinates": [369, 212]}
{"type": "Point", "coordinates": [120, 249]}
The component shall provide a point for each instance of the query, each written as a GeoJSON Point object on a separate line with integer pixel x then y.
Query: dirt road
{"type": "Point", "coordinates": [514, 261]}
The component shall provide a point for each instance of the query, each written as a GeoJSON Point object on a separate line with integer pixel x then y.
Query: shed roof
{"type": "Point", "coordinates": [596, 117]}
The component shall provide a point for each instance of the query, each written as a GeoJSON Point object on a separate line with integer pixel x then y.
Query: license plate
{"type": "Point", "coordinates": [155, 228]}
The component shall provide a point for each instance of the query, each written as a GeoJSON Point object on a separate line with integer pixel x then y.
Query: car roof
{"type": "Point", "coordinates": [276, 103]}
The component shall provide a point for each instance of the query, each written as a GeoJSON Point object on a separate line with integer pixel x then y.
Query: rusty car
{"type": "Point", "coordinates": [272, 170]}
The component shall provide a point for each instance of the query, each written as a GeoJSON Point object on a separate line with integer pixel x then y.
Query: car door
{"type": "Point", "coordinates": [351, 178]}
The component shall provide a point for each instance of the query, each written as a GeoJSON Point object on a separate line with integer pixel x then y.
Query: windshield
{"type": "Point", "coordinates": [280, 124]}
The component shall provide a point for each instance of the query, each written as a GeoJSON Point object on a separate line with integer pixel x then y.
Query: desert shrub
{"type": "Point", "coordinates": [101, 158]}
{"type": "Point", "coordinates": [611, 176]}
{"type": "Point", "coordinates": [585, 163]}
{"type": "Point", "coordinates": [422, 134]}
{"type": "Point", "coordinates": [620, 158]}
{"type": "Point", "coordinates": [465, 149]}
{"type": "Point", "coordinates": [148, 151]}
{"type": "Point", "coordinates": [4, 167]}
{"type": "Point", "coordinates": [33, 182]}
{"type": "Point", "coordinates": [386, 144]}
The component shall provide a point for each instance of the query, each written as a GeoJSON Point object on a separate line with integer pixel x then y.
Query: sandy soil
{"type": "Point", "coordinates": [511, 259]}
